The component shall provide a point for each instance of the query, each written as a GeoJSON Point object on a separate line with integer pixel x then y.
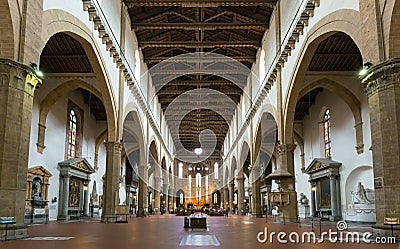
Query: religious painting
{"type": "Point", "coordinates": [74, 192]}
{"type": "Point", "coordinates": [325, 194]}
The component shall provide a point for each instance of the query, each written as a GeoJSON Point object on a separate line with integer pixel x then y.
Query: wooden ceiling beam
{"type": "Point", "coordinates": [194, 94]}
{"type": "Point", "coordinates": [199, 26]}
{"type": "Point", "coordinates": [199, 82]}
{"type": "Point", "coordinates": [198, 3]}
{"type": "Point", "coordinates": [183, 59]}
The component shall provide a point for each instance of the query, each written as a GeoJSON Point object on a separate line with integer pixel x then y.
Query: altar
{"type": "Point", "coordinates": [325, 188]}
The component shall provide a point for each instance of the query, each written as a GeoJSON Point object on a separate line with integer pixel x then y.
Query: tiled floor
{"type": "Point", "coordinates": [167, 232]}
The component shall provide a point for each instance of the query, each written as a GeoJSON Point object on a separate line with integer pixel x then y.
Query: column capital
{"type": "Point", "coordinates": [333, 176]}
{"type": "Point", "coordinates": [382, 76]}
{"type": "Point", "coordinates": [286, 148]}
{"type": "Point", "coordinates": [18, 76]}
{"type": "Point", "coordinates": [113, 146]}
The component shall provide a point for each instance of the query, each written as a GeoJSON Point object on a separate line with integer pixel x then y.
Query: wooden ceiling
{"type": "Point", "coordinates": [170, 28]}
{"type": "Point", "coordinates": [338, 52]}
{"type": "Point", "coordinates": [65, 55]}
{"type": "Point", "coordinates": [305, 102]}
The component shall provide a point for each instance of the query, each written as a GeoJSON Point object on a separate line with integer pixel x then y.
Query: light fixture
{"type": "Point", "coordinates": [198, 151]}
{"type": "Point", "coordinates": [206, 168]}
{"type": "Point", "coordinates": [190, 168]}
{"type": "Point", "coordinates": [85, 187]}
{"type": "Point", "coordinates": [313, 188]}
{"type": "Point", "coordinates": [35, 67]}
{"type": "Point", "coordinates": [364, 70]}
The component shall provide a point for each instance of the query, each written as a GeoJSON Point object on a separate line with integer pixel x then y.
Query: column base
{"type": "Point", "coordinates": [256, 215]}
{"type": "Point", "coordinates": [14, 232]}
{"type": "Point", "coordinates": [63, 217]}
{"type": "Point", "coordinates": [334, 218]}
{"type": "Point", "coordinates": [381, 230]}
{"type": "Point", "coordinates": [140, 213]}
{"type": "Point", "coordinates": [108, 218]}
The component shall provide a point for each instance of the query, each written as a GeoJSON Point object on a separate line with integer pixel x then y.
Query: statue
{"type": "Point", "coordinates": [37, 189]}
{"type": "Point", "coordinates": [303, 199]}
{"type": "Point", "coordinates": [361, 195]}
{"type": "Point", "coordinates": [94, 197]}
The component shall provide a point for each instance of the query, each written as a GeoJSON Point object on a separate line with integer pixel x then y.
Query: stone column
{"type": "Point", "coordinates": [113, 164]}
{"type": "Point", "coordinates": [240, 182]}
{"type": "Point", "coordinates": [256, 192]}
{"type": "Point", "coordinates": [157, 195]}
{"type": "Point", "coordinates": [142, 194]}
{"type": "Point", "coordinates": [63, 198]}
{"type": "Point", "coordinates": [338, 194]}
{"type": "Point", "coordinates": [226, 197]}
{"type": "Point", "coordinates": [171, 199]}
{"type": "Point", "coordinates": [382, 85]}
{"type": "Point", "coordinates": [285, 173]}
{"type": "Point", "coordinates": [222, 201]}
{"type": "Point", "coordinates": [256, 199]}
{"type": "Point", "coordinates": [231, 197]}
{"type": "Point", "coordinates": [313, 201]}
{"type": "Point", "coordinates": [166, 197]}
{"type": "Point", "coordinates": [85, 199]}
{"type": "Point", "coordinates": [332, 180]}
{"type": "Point", "coordinates": [17, 87]}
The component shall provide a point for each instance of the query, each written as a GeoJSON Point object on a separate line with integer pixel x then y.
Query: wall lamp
{"type": "Point", "coordinates": [35, 67]}
{"type": "Point", "coordinates": [364, 70]}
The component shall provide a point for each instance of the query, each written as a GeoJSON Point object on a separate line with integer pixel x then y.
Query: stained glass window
{"type": "Point", "coordinates": [72, 131]}
{"type": "Point", "coordinates": [327, 134]}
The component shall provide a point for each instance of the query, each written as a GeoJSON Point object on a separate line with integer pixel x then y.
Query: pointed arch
{"type": "Point", "coordinates": [348, 97]}
{"type": "Point", "coordinates": [71, 25]}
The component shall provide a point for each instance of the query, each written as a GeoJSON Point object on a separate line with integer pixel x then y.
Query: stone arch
{"type": "Point", "coordinates": [56, 21]}
{"type": "Point", "coordinates": [348, 97]}
{"type": "Point", "coordinates": [99, 141]}
{"type": "Point", "coordinates": [226, 175]}
{"type": "Point", "coordinates": [233, 166]}
{"type": "Point", "coordinates": [132, 109]}
{"type": "Point", "coordinates": [345, 21]}
{"type": "Point", "coordinates": [7, 29]}
{"type": "Point", "coordinates": [47, 103]}
{"type": "Point", "coordinates": [66, 87]}
{"type": "Point", "coordinates": [300, 142]}
{"type": "Point", "coordinates": [260, 134]}
{"type": "Point", "coordinates": [394, 32]}
{"type": "Point", "coordinates": [245, 149]}
{"type": "Point", "coordinates": [152, 150]}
